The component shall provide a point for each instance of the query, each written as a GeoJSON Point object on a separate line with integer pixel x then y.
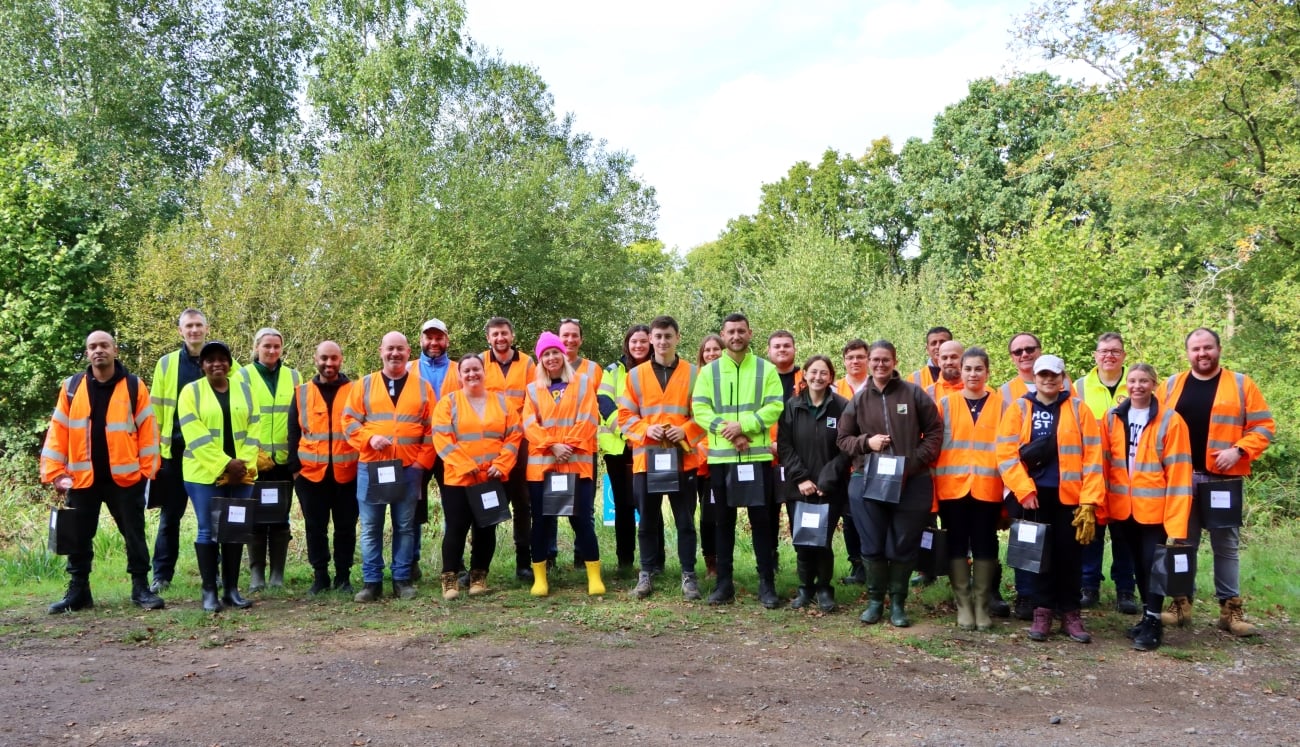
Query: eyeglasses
{"type": "Point", "coordinates": [1018, 352]}
{"type": "Point", "coordinates": [1110, 353]}
{"type": "Point", "coordinates": [571, 320]}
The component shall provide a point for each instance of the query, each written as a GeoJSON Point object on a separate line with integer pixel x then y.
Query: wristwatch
{"type": "Point", "coordinates": [1241, 452]}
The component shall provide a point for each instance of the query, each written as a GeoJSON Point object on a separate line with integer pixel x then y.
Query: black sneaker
{"type": "Point", "coordinates": [1125, 603]}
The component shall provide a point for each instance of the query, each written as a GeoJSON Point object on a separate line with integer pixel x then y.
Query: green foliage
{"type": "Point", "coordinates": [53, 260]}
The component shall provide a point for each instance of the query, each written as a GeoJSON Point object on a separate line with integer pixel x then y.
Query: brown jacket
{"type": "Point", "coordinates": [914, 424]}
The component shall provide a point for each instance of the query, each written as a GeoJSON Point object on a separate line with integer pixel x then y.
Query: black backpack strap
{"type": "Point", "coordinates": [74, 383]}
{"type": "Point", "coordinates": [132, 389]}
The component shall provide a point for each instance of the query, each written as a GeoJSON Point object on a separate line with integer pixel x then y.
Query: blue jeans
{"type": "Point", "coordinates": [1121, 563]}
{"type": "Point", "coordinates": [372, 527]}
{"type": "Point", "coordinates": [201, 495]}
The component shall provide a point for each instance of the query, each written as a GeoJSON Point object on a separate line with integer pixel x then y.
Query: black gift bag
{"type": "Point", "coordinates": [272, 498]}
{"type": "Point", "coordinates": [63, 530]}
{"type": "Point", "coordinates": [745, 485]}
{"type": "Point", "coordinates": [811, 524]}
{"type": "Point", "coordinates": [558, 492]}
{"type": "Point", "coordinates": [1218, 503]}
{"type": "Point", "coordinates": [385, 483]}
{"type": "Point", "coordinates": [235, 518]}
{"type": "Point", "coordinates": [932, 559]}
{"type": "Point", "coordinates": [1173, 571]}
{"type": "Point", "coordinates": [1028, 548]}
{"type": "Point", "coordinates": [663, 470]}
{"type": "Point", "coordinates": [488, 503]}
{"type": "Point", "coordinates": [884, 477]}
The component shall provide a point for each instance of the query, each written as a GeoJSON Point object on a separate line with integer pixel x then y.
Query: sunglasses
{"type": "Point", "coordinates": [1018, 352]}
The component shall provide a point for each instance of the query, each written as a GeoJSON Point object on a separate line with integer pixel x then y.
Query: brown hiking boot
{"type": "Point", "coordinates": [450, 586]}
{"type": "Point", "coordinates": [478, 583]}
{"type": "Point", "coordinates": [1179, 613]}
{"type": "Point", "coordinates": [1232, 618]}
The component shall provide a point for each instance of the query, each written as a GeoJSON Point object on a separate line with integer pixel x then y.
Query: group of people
{"type": "Point", "coordinates": [881, 453]}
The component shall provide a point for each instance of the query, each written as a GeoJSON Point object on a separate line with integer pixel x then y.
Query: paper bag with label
{"type": "Point", "coordinates": [663, 471]}
{"type": "Point", "coordinates": [63, 530]}
{"type": "Point", "coordinates": [745, 485]}
{"type": "Point", "coordinates": [811, 524]}
{"type": "Point", "coordinates": [273, 499]}
{"type": "Point", "coordinates": [235, 518]}
{"type": "Point", "coordinates": [558, 491]}
{"type": "Point", "coordinates": [1173, 571]}
{"type": "Point", "coordinates": [1218, 502]}
{"type": "Point", "coordinates": [1028, 548]}
{"type": "Point", "coordinates": [884, 477]}
{"type": "Point", "coordinates": [488, 503]}
{"type": "Point", "coordinates": [384, 481]}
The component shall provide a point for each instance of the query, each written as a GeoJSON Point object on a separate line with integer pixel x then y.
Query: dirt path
{"type": "Point", "coordinates": [286, 674]}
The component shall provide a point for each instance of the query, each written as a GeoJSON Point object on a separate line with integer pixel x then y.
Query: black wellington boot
{"type": "Point", "coordinates": [231, 559]}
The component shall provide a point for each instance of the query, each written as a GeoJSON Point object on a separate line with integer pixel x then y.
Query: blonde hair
{"type": "Point", "coordinates": [263, 332]}
{"type": "Point", "coordinates": [566, 374]}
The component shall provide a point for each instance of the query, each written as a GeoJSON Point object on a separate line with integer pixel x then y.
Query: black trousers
{"type": "Point", "coordinates": [1058, 589]}
{"type": "Point", "coordinates": [167, 492]}
{"type": "Point", "coordinates": [972, 527]}
{"type": "Point", "coordinates": [1140, 540]}
{"type": "Point", "coordinates": [126, 506]}
{"type": "Point", "coordinates": [521, 508]}
{"type": "Point", "coordinates": [889, 532]}
{"type": "Point", "coordinates": [458, 524]}
{"type": "Point", "coordinates": [708, 517]}
{"type": "Point", "coordinates": [619, 469]}
{"type": "Point", "coordinates": [759, 523]}
{"type": "Point", "coordinates": [320, 502]}
{"type": "Point", "coordinates": [852, 540]}
{"type": "Point", "coordinates": [650, 534]}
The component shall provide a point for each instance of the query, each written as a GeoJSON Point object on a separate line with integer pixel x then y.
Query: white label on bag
{"type": "Point", "coordinates": [386, 475]}
{"type": "Point", "coordinates": [54, 518]}
{"type": "Point", "coordinates": [888, 466]}
{"type": "Point", "coordinates": [810, 520]}
{"type": "Point", "coordinates": [270, 495]}
{"type": "Point", "coordinates": [1220, 499]}
{"type": "Point", "coordinates": [782, 475]}
{"type": "Point", "coordinates": [236, 515]}
{"type": "Point", "coordinates": [711, 501]}
{"type": "Point", "coordinates": [490, 499]}
{"type": "Point", "coordinates": [745, 472]}
{"type": "Point", "coordinates": [1180, 564]}
{"type": "Point", "coordinates": [663, 462]}
{"type": "Point", "coordinates": [559, 483]}
{"type": "Point", "coordinates": [1027, 533]}
{"type": "Point", "coordinates": [927, 540]}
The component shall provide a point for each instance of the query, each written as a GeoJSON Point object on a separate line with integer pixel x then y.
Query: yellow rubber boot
{"type": "Point", "coordinates": [595, 587]}
{"type": "Point", "coordinates": [540, 587]}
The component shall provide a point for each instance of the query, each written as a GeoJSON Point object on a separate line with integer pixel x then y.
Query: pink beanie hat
{"type": "Point", "coordinates": [546, 341]}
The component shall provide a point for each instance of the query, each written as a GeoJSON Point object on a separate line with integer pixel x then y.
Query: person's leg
{"type": "Point", "coordinates": [404, 528]}
{"type": "Point", "coordinates": [1224, 544]}
{"type": "Point", "coordinates": [173, 499]}
{"type": "Point", "coordinates": [957, 517]}
{"type": "Point", "coordinates": [708, 525]}
{"type": "Point", "coordinates": [724, 591]}
{"type": "Point", "coordinates": [902, 548]}
{"type": "Point", "coordinates": [344, 509]}
{"type": "Point", "coordinates": [683, 506]}
{"type": "Point", "coordinates": [648, 533]}
{"type": "Point", "coordinates": [1091, 576]}
{"type": "Point", "coordinates": [540, 536]}
{"type": "Point", "coordinates": [521, 506]}
{"type": "Point", "coordinates": [372, 517]}
{"type": "Point", "coordinates": [315, 516]}
{"type": "Point", "coordinates": [456, 523]}
{"type": "Point", "coordinates": [619, 469]}
{"type": "Point", "coordinates": [1124, 573]}
{"type": "Point", "coordinates": [126, 506]}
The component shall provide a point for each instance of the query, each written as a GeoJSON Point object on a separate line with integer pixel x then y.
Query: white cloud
{"type": "Point", "coordinates": [716, 98]}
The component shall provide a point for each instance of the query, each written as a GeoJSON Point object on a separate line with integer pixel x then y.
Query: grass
{"type": "Point", "coordinates": [30, 578]}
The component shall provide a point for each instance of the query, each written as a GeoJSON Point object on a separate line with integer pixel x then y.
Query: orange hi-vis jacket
{"type": "Point", "coordinates": [644, 403]}
{"type": "Point", "coordinates": [132, 441]}
{"type": "Point", "coordinates": [845, 389]}
{"type": "Point", "coordinates": [450, 382]}
{"type": "Point", "coordinates": [1158, 490]}
{"type": "Point", "coordinates": [968, 461]}
{"type": "Point", "coordinates": [588, 367]}
{"type": "Point", "coordinates": [771, 432]}
{"type": "Point", "coordinates": [941, 388]}
{"type": "Point", "coordinates": [922, 376]}
{"type": "Point", "coordinates": [1017, 388]}
{"type": "Point", "coordinates": [572, 421]}
{"type": "Point", "coordinates": [323, 444]}
{"type": "Point", "coordinates": [1078, 447]}
{"type": "Point", "coordinates": [468, 444]}
{"type": "Point", "coordinates": [409, 424]}
{"type": "Point", "coordinates": [514, 383]}
{"type": "Point", "coordinates": [1240, 418]}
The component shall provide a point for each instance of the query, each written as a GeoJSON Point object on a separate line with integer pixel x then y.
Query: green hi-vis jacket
{"type": "Point", "coordinates": [749, 393]}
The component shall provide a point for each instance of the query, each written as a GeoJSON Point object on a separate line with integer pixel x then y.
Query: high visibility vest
{"type": "Point", "coordinates": [968, 461]}
{"type": "Point", "coordinates": [323, 445]}
{"type": "Point", "coordinates": [408, 424]}
{"type": "Point", "coordinates": [273, 411]}
{"type": "Point", "coordinates": [922, 376]}
{"type": "Point", "coordinates": [943, 388]}
{"type": "Point", "coordinates": [202, 426]}
{"type": "Point", "coordinates": [1095, 394]}
{"type": "Point", "coordinates": [794, 390]}
{"type": "Point", "coordinates": [845, 389]}
{"type": "Point", "coordinates": [1017, 388]}
{"type": "Point", "coordinates": [571, 421]}
{"type": "Point", "coordinates": [1078, 448]}
{"type": "Point", "coordinates": [450, 381]}
{"type": "Point", "coordinates": [1240, 418]}
{"type": "Point", "coordinates": [589, 368]}
{"type": "Point", "coordinates": [609, 438]}
{"type": "Point", "coordinates": [469, 443]}
{"type": "Point", "coordinates": [1158, 490]}
{"type": "Point", "coordinates": [749, 393]}
{"type": "Point", "coordinates": [132, 440]}
{"type": "Point", "coordinates": [514, 383]}
{"type": "Point", "coordinates": [644, 403]}
{"type": "Point", "coordinates": [164, 390]}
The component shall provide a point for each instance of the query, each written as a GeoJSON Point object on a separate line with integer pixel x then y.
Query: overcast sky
{"type": "Point", "coordinates": [715, 97]}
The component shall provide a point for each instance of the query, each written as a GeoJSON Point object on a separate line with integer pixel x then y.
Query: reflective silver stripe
{"type": "Point", "coordinates": [149, 450]}
{"type": "Point", "coordinates": [408, 440]}
{"type": "Point", "coordinates": [310, 458]}
{"type": "Point", "coordinates": [59, 417]}
{"type": "Point", "coordinates": [967, 469]}
{"type": "Point", "coordinates": [124, 469]}
{"type": "Point", "coordinates": [1223, 420]}
{"type": "Point", "coordinates": [1070, 449]}
{"type": "Point", "coordinates": [314, 437]}
{"type": "Point", "coordinates": [443, 429]}
{"type": "Point", "coordinates": [127, 427]}
{"type": "Point", "coordinates": [1070, 476]}
{"type": "Point", "coordinates": [203, 440]}
{"type": "Point", "coordinates": [1147, 492]}
{"type": "Point", "coordinates": [1261, 430]}
{"type": "Point", "coordinates": [189, 417]}
{"type": "Point", "coordinates": [407, 418]}
{"type": "Point", "coordinates": [1178, 459]}
{"type": "Point", "coordinates": [57, 456]}
{"type": "Point", "coordinates": [1007, 465]}
{"type": "Point", "coordinates": [79, 466]}
{"type": "Point", "coordinates": [277, 409]}
{"type": "Point", "coordinates": [78, 422]}
{"type": "Point", "coordinates": [163, 401]}
{"type": "Point", "coordinates": [143, 415]}
{"type": "Point", "coordinates": [347, 458]}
